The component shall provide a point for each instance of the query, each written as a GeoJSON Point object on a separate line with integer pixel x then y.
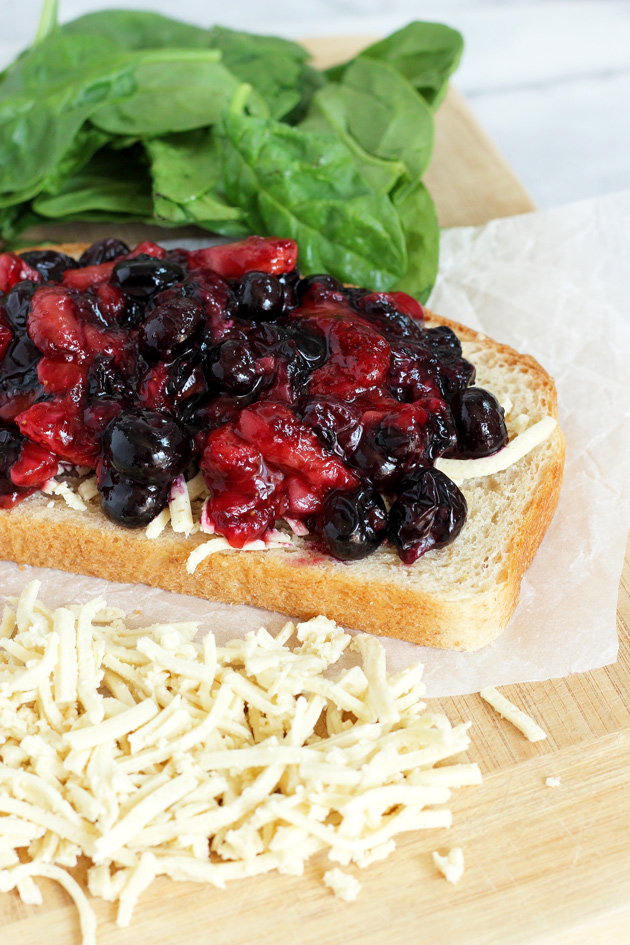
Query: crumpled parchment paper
{"type": "Point", "coordinates": [554, 284]}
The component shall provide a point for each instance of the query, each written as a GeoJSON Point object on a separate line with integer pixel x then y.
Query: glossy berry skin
{"type": "Point", "coordinates": [144, 275]}
{"type": "Point", "coordinates": [429, 513]}
{"type": "Point", "coordinates": [132, 504]}
{"type": "Point", "coordinates": [322, 281]}
{"type": "Point", "coordinates": [353, 524]}
{"type": "Point", "coordinates": [480, 424]}
{"type": "Point", "coordinates": [259, 297]}
{"type": "Point", "coordinates": [170, 328]}
{"type": "Point", "coordinates": [144, 446]}
{"type": "Point", "coordinates": [50, 264]}
{"type": "Point", "coordinates": [231, 367]}
{"type": "Point", "coordinates": [102, 252]}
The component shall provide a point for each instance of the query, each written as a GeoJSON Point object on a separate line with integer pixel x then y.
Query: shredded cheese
{"type": "Point", "coordinates": [523, 722]}
{"type": "Point", "coordinates": [452, 865]}
{"type": "Point", "coordinates": [154, 755]}
{"type": "Point", "coordinates": [63, 489]}
{"type": "Point", "coordinates": [553, 782]}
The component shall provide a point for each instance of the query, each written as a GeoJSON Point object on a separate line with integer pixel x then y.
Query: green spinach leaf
{"type": "Point", "coordinates": [426, 54]}
{"type": "Point", "coordinates": [417, 216]}
{"type": "Point", "coordinates": [306, 186]}
{"type": "Point", "coordinates": [138, 29]}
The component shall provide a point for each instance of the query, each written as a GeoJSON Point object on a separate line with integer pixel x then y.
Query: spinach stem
{"type": "Point", "coordinates": [47, 20]}
{"type": "Point", "coordinates": [237, 105]}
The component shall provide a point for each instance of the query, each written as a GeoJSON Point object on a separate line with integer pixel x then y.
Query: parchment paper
{"type": "Point", "coordinates": [555, 284]}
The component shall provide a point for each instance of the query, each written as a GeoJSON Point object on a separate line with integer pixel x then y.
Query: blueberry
{"type": "Point", "coordinates": [388, 319]}
{"type": "Point", "coordinates": [10, 444]}
{"type": "Point", "coordinates": [103, 251]}
{"type": "Point", "coordinates": [480, 423]}
{"type": "Point", "coordinates": [105, 381]}
{"type": "Point", "coordinates": [143, 276]}
{"type": "Point", "coordinates": [170, 328]}
{"type": "Point", "coordinates": [132, 504]}
{"type": "Point", "coordinates": [231, 367]}
{"type": "Point", "coordinates": [429, 513]}
{"type": "Point", "coordinates": [310, 344]}
{"type": "Point", "coordinates": [18, 303]}
{"type": "Point", "coordinates": [329, 283]}
{"type": "Point", "coordinates": [353, 524]}
{"type": "Point", "coordinates": [146, 447]}
{"type": "Point", "coordinates": [50, 265]}
{"type": "Point", "coordinates": [259, 297]}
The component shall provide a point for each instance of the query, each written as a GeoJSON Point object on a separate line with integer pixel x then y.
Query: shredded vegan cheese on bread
{"type": "Point", "coordinates": [153, 754]}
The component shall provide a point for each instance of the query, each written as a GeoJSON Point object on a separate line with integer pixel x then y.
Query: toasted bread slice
{"type": "Point", "coordinates": [459, 597]}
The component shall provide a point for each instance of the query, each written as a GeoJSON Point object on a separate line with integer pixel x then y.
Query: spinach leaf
{"type": "Point", "coordinates": [176, 91]}
{"type": "Point", "coordinates": [186, 172]}
{"type": "Point", "coordinates": [271, 65]}
{"type": "Point", "coordinates": [112, 182]}
{"type": "Point", "coordinates": [381, 119]}
{"type": "Point", "coordinates": [306, 186]}
{"type": "Point", "coordinates": [137, 29]}
{"type": "Point", "coordinates": [417, 215]}
{"type": "Point", "coordinates": [426, 54]}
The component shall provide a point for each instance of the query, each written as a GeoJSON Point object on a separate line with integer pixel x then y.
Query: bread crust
{"type": "Point", "coordinates": [308, 583]}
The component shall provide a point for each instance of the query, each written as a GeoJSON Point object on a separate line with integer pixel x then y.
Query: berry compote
{"type": "Point", "coordinates": [297, 398]}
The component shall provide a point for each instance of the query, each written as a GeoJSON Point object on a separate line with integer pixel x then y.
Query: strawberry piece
{"type": "Point", "coordinates": [60, 377]}
{"type": "Point", "coordinates": [83, 279]}
{"type": "Point", "coordinates": [398, 300]}
{"type": "Point", "coordinates": [34, 467]}
{"type": "Point", "coordinates": [147, 248]}
{"type": "Point", "coordinates": [13, 269]}
{"type": "Point", "coordinates": [255, 254]}
{"type": "Point", "coordinates": [358, 362]}
{"type": "Point", "coordinates": [53, 324]}
{"type": "Point", "coordinates": [57, 426]}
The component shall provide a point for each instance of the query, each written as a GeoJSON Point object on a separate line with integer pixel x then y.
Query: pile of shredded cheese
{"type": "Point", "coordinates": [153, 755]}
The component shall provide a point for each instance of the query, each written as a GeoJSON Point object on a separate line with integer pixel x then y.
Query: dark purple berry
{"type": "Point", "coordinates": [144, 275]}
{"type": "Point", "coordinates": [323, 281]}
{"type": "Point", "coordinates": [259, 297]}
{"type": "Point", "coordinates": [353, 524]}
{"type": "Point", "coordinates": [311, 345]}
{"type": "Point", "coordinates": [389, 320]}
{"type": "Point", "coordinates": [480, 423]}
{"type": "Point", "coordinates": [17, 304]}
{"type": "Point", "coordinates": [144, 446]}
{"type": "Point", "coordinates": [429, 513]}
{"type": "Point", "coordinates": [132, 504]}
{"type": "Point", "coordinates": [10, 444]}
{"type": "Point", "coordinates": [50, 264]}
{"type": "Point", "coordinates": [231, 367]}
{"type": "Point", "coordinates": [170, 328]}
{"type": "Point", "coordinates": [103, 251]}
{"type": "Point", "coordinates": [105, 381]}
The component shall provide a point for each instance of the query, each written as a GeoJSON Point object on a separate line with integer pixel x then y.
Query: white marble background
{"type": "Point", "coordinates": [548, 79]}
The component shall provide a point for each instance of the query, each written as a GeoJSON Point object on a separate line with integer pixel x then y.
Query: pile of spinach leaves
{"type": "Point", "coordinates": [123, 115]}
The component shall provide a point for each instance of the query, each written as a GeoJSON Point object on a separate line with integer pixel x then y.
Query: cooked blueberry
{"type": "Point", "coordinates": [105, 381]}
{"type": "Point", "coordinates": [429, 513]}
{"type": "Point", "coordinates": [187, 380]}
{"type": "Point", "coordinates": [289, 282]}
{"type": "Point", "coordinates": [18, 302]}
{"type": "Point", "coordinates": [145, 446]}
{"type": "Point", "coordinates": [10, 444]}
{"type": "Point", "coordinates": [170, 328]}
{"type": "Point", "coordinates": [388, 319]}
{"type": "Point", "coordinates": [50, 264]}
{"type": "Point", "coordinates": [353, 524]}
{"type": "Point", "coordinates": [455, 373]}
{"type": "Point", "coordinates": [231, 367]}
{"type": "Point", "coordinates": [132, 504]}
{"type": "Point", "coordinates": [143, 276]}
{"type": "Point", "coordinates": [320, 279]}
{"type": "Point", "coordinates": [311, 345]}
{"type": "Point", "coordinates": [103, 251]}
{"type": "Point", "coordinates": [259, 297]}
{"type": "Point", "coordinates": [178, 256]}
{"type": "Point", "coordinates": [480, 423]}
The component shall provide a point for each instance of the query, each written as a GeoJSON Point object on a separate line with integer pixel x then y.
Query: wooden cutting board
{"type": "Point", "coordinates": [545, 866]}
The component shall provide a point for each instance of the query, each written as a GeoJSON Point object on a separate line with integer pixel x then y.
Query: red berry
{"type": "Point", "coordinates": [13, 269]}
{"type": "Point", "coordinates": [53, 324]}
{"type": "Point", "coordinates": [82, 279]}
{"type": "Point", "coordinates": [34, 467]}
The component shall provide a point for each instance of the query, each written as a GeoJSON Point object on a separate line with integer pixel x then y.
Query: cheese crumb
{"type": "Point", "coordinates": [74, 501]}
{"type": "Point", "coordinates": [343, 885]}
{"type": "Point", "coordinates": [452, 865]}
{"type": "Point", "coordinates": [511, 713]}
{"type": "Point", "coordinates": [553, 782]}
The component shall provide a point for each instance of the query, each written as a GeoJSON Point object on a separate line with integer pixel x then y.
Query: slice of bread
{"type": "Point", "coordinates": [460, 597]}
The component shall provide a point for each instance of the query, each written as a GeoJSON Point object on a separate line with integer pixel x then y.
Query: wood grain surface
{"type": "Point", "coordinates": [545, 866]}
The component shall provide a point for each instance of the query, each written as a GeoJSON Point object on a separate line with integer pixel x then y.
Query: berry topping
{"type": "Point", "coordinates": [145, 446]}
{"type": "Point", "coordinates": [142, 276]}
{"type": "Point", "coordinates": [429, 513]}
{"type": "Point", "coordinates": [480, 424]}
{"type": "Point", "coordinates": [354, 523]}
{"type": "Point", "coordinates": [298, 398]}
